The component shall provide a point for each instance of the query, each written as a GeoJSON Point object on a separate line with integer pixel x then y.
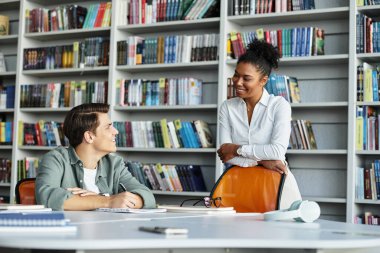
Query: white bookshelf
{"type": "Point", "coordinates": [73, 34]}
{"type": "Point", "coordinates": [8, 46]}
{"type": "Point", "coordinates": [321, 173]}
{"type": "Point", "coordinates": [172, 26]}
{"type": "Point", "coordinates": [66, 71]}
{"type": "Point", "coordinates": [359, 158]}
{"type": "Point", "coordinates": [172, 66]}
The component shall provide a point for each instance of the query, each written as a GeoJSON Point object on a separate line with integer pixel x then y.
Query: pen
{"type": "Point", "coordinates": [125, 189]}
{"type": "Point", "coordinates": [122, 187]}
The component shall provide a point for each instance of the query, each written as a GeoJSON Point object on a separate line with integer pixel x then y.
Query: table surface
{"type": "Point", "coordinates": [101, 230]}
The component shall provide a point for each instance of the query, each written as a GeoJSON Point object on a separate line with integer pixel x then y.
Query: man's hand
{"type": "Point", "coordinates": [126, 199]}
{"type": "Point", "coordinates": [81, 192]}
{"type": "Point", "coordinates": [227, 151]}
{"type": "Point", "coordinates": [276, 165]}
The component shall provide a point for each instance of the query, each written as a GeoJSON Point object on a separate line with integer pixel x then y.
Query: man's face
{"type": "Point", "coordinates": [104, 139]}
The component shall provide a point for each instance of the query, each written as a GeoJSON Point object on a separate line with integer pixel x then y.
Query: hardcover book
{"type": "Point", "coordinates": [4, 25]}
{"type": "Point", "coordinates": [204, 133]}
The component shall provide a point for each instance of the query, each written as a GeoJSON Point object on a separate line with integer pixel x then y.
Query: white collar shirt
{"type": "Point", "coordinates": [265, 138]}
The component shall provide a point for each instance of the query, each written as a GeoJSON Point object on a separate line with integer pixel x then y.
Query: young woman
{"type": "Point", "coordinates": [255, 126]}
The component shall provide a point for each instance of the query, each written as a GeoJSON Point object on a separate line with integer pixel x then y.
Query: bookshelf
{"type": "Point", "coordinates": [207, 71]}
{"type": "Point", "coordinates": [360, 158]}
{"type": "Point", "coordinates": [322, 173]}
{"type": "Point", "coordinates": [43, 76]}
{"type": "Point", "coordinates": [327, 85]}
{"type": "Point", "coordinates": [8, 47]}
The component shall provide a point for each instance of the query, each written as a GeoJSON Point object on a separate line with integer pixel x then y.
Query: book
{"type": "Point", "coordinates": [4, 25]}
{"type": "Point", "coordinates": [198, 209]}
{"type": "Point", "coordinates": [204, 133]}
{"type": "Point", "coordinates": [42, 219]}
{"type": "Point", "coordinates": [2, 63]}
{"type": "Point", "coordinates": [131, 210]}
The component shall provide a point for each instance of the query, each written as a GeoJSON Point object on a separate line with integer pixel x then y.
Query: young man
{"type": "Point", "coordinates": [85, 176]}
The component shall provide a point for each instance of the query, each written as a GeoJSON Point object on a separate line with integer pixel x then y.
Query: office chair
{"type": "Point", "coordinates": [255, 189]}
{"type": "Point", "coordinates": [25, 191]}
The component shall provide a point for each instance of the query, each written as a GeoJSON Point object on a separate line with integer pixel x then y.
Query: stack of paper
{"type": "Point", "coordinates": [23, 208]}
{"type": "Point", "coordinates": [198, 209]}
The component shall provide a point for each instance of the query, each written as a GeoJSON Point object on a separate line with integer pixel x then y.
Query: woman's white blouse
{"type": "Point", "coordinates": [266, 138]}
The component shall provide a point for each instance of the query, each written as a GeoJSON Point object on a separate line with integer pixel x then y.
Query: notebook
{"type": "Point", "coordinates": [44, 219]}
{"type": "Point", "coordinates": [198, 209]}
{"type": "Point", "coordinates": [131, 210]}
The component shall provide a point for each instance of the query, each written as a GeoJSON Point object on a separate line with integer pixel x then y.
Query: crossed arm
{"type": "Point", "coordinates": [269, 155]}
{"type": "Point", "coordinates": [87, 200]}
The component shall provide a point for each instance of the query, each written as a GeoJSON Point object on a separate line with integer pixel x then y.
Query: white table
{"type": "Point", "coordinates": [113, 232]}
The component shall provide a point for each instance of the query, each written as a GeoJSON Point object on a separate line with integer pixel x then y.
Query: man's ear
{"type": "Point", "coordinates": [88, 137]}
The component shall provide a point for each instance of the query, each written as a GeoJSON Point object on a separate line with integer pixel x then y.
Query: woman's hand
{"type": "Point", "coordinates": [227, 151]}
{"type": "Point", "coordinates": [81, 192]}
{"type": "Point", "coordinates": [276, 165]}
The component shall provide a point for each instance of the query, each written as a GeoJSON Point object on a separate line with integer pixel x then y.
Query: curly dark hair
{"type": "Point", "coordinates": [262, 55]}
{"type": "Point", "coordinates": [82, 118]}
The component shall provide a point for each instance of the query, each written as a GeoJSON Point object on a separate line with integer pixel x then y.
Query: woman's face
{"type": "Point", "coordinates": [248, 81]}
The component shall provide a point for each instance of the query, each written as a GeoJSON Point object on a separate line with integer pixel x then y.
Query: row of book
{"type": "Point", "coordinates": [368, 181]}
{"type": "Point", "coordinates": [91, 52]}
{"type": "Point", "coordinates": [27, 168]}
{"type": "Point", "coordinates": [167, 49]}
{"type": "Point", "coordinates": [5, 170]}
{"type": "Point", "coordinates": [67, 94]}
{"type": "Point", "coordinates": [168, 177]}
{"type": "Point", "coordinates": [285, 86]}
{"type": "Point", "coordinates": [278, 85]}
{"type": "Point", "coordinates": [6, 132]}
{"type": "Point", "coordinates": [250, 7]}
{"type": "Point", "coordinates": [367, 128]}
{"type": "Point", "coordinates": [293, 42]}
{"type": "Point", "coordinates": [164, 134]}
{"type": "Point", "coordinates": [368, 80]}
{"type": "Point", "coordinates": [164, 91]}
{"type": "Point", "coordinates": [367, 2]}
{"type": "Point", "coordinates": [302, 135]}
{"type": "Point", "coordinates": [367, 34]}
{"type": "Point", "coordinates": [42, 133]}
{"type": "Point", "coordinates": [153, 11]}
{"type": "Point", "coordinates": [7, 96]}
{"type": "Point", "coordinates": [367, 218]}
{"type": "Point", "coordinates": [67, 17]}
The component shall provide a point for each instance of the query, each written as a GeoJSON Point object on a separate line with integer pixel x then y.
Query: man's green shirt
{"type": "Point", "coordinates": [61, 168]}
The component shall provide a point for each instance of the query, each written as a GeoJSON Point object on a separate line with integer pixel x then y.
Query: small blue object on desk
{"type": "Point", "coordinates": [30, 222]}
{"type": "Point", "coordinates": [45, 219]}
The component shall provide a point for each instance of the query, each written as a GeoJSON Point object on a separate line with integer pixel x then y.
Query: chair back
{"type": "Point", "coordinates": [25, 191]}
{"type": "Point", "coordinates": [255, 189]}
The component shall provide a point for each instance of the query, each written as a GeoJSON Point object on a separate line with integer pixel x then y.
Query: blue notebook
{"type": "Point", "coordinates": [43, 219]}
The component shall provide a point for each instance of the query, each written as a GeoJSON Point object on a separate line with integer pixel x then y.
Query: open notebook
{"type": "Point", "coordinates": [198, 209]}
{"type": "Point", "coordinates": [131, 210]}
